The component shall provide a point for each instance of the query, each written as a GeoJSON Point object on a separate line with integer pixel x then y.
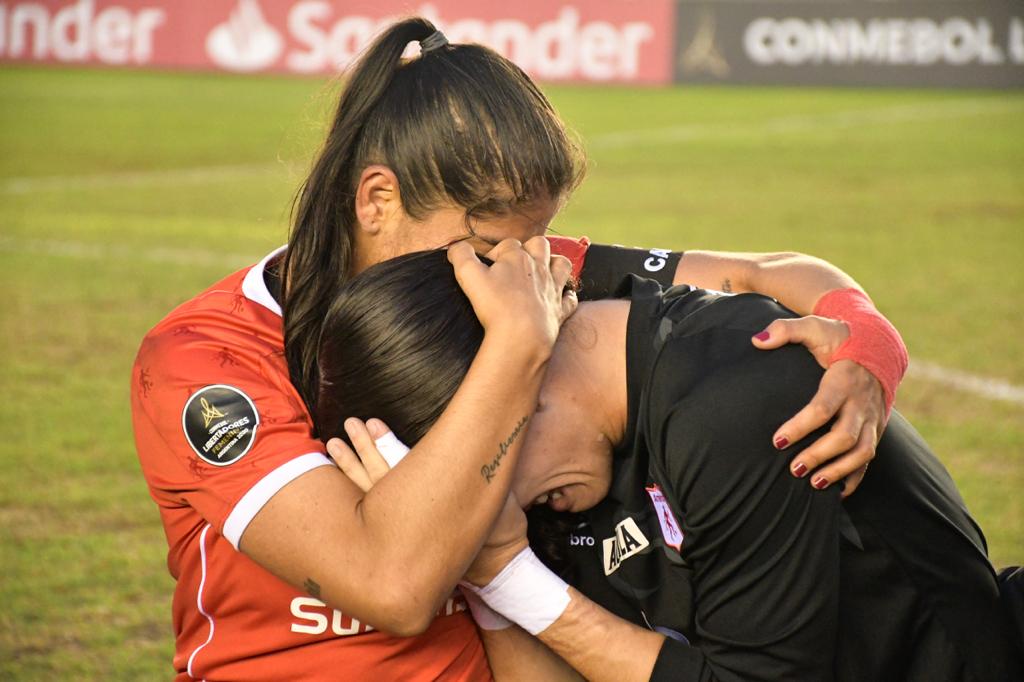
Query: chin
{"type": "Point", "coordinates": [584, 504]}
{"type": "Point", "coordinates": [575, 498]}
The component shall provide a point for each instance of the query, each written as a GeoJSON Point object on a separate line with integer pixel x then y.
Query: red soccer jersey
{"type": "Point", "coordinates": [219, 430]}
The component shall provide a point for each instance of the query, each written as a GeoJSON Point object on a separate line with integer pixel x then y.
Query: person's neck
{"type": "Point", "coordinates": [591, 354]}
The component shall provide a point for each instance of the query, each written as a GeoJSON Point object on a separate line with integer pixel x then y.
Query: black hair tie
{"type": "Point", "coordinates": [432, 42]}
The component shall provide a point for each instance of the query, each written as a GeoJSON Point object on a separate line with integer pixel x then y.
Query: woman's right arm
{"type": "Point", "coordinates": [393, 555]}
{"type": "Point", "coordinates": [763, 547]}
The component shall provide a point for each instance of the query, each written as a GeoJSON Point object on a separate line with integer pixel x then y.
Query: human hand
{"type": "Point", "coordinates": [368, 466]}
{"type": "Point", "coordinates": [506, 541]}
{"type": "Point", "coordinates": [521, 295]}
{"type": "Point", "coordinates": [847, 390]}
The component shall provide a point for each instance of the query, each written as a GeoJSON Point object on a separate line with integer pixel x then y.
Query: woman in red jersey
{"type": "Point", "coordinates": [284, 568]}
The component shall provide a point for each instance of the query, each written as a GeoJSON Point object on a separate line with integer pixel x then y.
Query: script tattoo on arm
{"type": "Point", "coordinates": [312, 588]}
{"type": "Point", "coordinates": [727, 285]}
{"type": "Point", "coordinates": [488, 471]}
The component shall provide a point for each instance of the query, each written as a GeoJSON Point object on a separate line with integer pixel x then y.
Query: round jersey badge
{"type": "Point", "coordinates": [220, 424]}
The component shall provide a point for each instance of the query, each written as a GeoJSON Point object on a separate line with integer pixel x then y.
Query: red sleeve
{"type": "Point", "coordinates": [218, 427]}
{"type": "Point", "coordinates": [573, 249]}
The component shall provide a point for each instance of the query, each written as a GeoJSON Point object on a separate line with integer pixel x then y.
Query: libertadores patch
{"type": "Point", "coordinates": [220, 424]}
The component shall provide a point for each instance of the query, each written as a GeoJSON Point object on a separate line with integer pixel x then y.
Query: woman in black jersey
{"type": "Point", "coordinates": [652, 427]}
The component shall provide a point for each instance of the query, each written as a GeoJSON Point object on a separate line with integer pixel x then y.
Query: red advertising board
{"type": "Point", "coordinates": [587, 40]}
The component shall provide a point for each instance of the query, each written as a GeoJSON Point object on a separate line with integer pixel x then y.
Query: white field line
{"type": "Point", "coordinates": [802, 123]}
{"type": "Point", "coordinates": [778, 125]}
{"type": "Point", "coordinates": [129, 179]}
{"type": "Point", "coordinates": [984, 387]}
{"type": "Point", "coordinates": [94, 251]}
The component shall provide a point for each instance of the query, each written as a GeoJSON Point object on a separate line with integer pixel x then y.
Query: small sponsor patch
{"type": "Point", "coordinates": [220, 424]}
{"type": "Point", "coordinates": [670, 529]}
{"type": "Point", "coordinates": [627, 541]}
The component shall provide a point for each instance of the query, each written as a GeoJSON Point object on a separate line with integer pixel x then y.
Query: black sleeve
{"type": "Point", "coordinates": [763, 545]}
{"type": "Point", "coordinates": [605, 267]}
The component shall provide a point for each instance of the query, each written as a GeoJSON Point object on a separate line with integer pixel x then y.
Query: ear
{"type": "Point", "coordinates": [377, 198]}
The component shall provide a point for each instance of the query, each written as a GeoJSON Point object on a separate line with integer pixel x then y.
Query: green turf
{"type": "Point", "coordinates": [920, 195]}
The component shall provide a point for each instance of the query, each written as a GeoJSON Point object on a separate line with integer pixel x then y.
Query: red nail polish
{"type": "Point", "coordinates": [762, 336]}
{"type": "Point", "coordinates": [820, 483]}
{"type": "Point", "coordinates": [799, 470]}
{"type": "Point", "coordinates": [781, 442]}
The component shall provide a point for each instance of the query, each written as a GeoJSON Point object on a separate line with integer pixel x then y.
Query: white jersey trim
{"type": "Point", "coordinates": [255, 289]}
{"type": "Point", "coordinates": [250, 504]}
{"type": "Point", "coordinates": [199, 600]}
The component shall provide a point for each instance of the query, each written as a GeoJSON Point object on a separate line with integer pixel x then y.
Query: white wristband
{"type": "Point", "coordinates": [391, 449]}
{"type": "Point", "coordinates": [527, 592]}
{"type": "Point", "coordinates": [485, 617]}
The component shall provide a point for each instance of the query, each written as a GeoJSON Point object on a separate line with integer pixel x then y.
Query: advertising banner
{"type": "Point", "coordinates": [629, 41]}
{"type": "Point", "coordinates": [945, 43]}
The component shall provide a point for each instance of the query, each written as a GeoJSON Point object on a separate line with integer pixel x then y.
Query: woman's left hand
{"type": "Point", "coordinates": [368, 466]}
{"type": "Point", "coordinates": [847, 390]}
{"type": "Point", "coordinates": [506, 541]}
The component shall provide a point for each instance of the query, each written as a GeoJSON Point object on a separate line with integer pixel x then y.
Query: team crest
{"type": "Point", "coordinates": [220, 424]}
{"type": "Point", "coordinates": [670, 529]}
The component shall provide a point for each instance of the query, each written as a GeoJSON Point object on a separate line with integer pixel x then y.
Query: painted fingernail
{"type": "Point", "coordinates": [820, 483]}
{"type": "Point", "coordinates": [762, 336]}
{"type": "Point", "coordinates": [781, 442]}
{"type": "Point", "coordinates": [800, 470]}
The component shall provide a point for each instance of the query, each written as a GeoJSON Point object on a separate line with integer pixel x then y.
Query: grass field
{"type": "Point", "coordinates": [122, 194]}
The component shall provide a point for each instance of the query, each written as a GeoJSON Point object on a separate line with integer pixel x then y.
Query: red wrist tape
{"type": "Point", "coordinates": [873, 342]}
{"type": "Point", "coordinates": [573, 249]}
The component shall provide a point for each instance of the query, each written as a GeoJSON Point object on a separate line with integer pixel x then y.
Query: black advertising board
{"type": "Point", "coordinates": [936, 43]}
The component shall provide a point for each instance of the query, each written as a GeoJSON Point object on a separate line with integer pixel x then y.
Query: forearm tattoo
{"type": "Point", "coordinates": [727, 285]}
{"type": "Point", "coordinates": [489, 471]}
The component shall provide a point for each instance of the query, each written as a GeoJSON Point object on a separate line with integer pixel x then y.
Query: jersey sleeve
{"type": "Point", "coordinates": [575, 249]}
{"type": "Point", "coordinates": [763, 545]}
{"type": "Point", "coordinates": [605, 267]}
{"type": "Point", "coordinates": [600, 268]}
{"type": "Point", "coordinates": [218, 427]}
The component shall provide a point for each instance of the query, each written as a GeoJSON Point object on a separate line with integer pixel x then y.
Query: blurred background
{"type": "Point", "coordinates": [150, 147]}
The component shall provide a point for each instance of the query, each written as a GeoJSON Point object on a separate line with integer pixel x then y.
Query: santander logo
{"type": "Point", "coordinates": [606, 40]}
{"type": "Point", "coordinates": [318, 36]}
{"type": "Point", "coordinates": [245, 42]}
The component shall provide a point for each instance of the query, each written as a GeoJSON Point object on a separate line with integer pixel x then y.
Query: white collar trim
{"type": "Point", "coordinates": [255, 288]}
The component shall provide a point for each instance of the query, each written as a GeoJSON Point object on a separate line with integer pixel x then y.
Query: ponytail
{"type": "Point", "coordinates": [319, 255]}
{"type": "Point", "coordinates": [459, 125]}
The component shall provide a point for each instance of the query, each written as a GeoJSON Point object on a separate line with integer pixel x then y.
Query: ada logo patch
{"type": "Point", "coordinates": [670, 529]}
{"type": "Point", "coordinates": [627, 541]}
{"type": "Point", "coordinates": [220, 424]}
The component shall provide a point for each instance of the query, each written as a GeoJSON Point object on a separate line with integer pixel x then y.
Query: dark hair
{"type": "Point", "coordinates": [396, 342]}
{"type": "Point", "coordinates": [458, 125]}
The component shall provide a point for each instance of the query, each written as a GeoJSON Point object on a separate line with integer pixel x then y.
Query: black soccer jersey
{"type": "Point", "coordinates": [752, 574]}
